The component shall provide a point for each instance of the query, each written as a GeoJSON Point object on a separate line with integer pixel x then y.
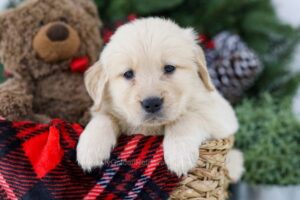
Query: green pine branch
{"type": "Point", "coordinates": [269, 138]}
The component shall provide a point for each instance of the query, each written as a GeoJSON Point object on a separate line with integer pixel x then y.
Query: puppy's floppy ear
{"type": "Point", "coordinates": [200, 60]}
{"type": "Point", "coordinates": [202, 69]}
{"type": "Point", "coordinates": [95, 80]}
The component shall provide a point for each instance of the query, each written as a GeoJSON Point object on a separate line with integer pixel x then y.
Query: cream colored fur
{"type": "Point", "coordinates": [193, 111]}
{"type": "Point", "coordinates": [235, 164]}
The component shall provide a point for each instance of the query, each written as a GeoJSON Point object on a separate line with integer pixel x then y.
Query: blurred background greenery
{"type": "Point", "coordinates": [269, 137]}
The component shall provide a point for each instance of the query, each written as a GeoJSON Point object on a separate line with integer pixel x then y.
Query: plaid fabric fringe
{"type": "Point", "coordinates": [38, 161]}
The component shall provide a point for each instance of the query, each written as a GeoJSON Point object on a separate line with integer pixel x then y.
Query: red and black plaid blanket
{"type": "Point", "coordinates": [38, 162]}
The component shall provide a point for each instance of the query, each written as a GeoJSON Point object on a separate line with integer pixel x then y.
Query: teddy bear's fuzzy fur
{"type": "Point", "coordinates": [43, 86]}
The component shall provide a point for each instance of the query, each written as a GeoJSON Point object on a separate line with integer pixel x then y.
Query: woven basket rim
{"type": "Point", "coordinates": [225, 143]}
{"type": "Point", "coordinates": [209, 179]}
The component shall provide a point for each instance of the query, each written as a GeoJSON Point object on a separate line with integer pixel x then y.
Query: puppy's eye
{"type": "Point", "coordinates": [169, 69]}
{"type": "Point", "coordinates": [129, 74]}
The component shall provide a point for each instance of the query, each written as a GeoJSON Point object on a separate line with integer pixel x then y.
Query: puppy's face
{"type": "Point", "coordinates": [149, 72]}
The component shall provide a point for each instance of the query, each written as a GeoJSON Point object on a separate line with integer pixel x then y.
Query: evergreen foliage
{"type": "Point", "coordinates": [269, 136]}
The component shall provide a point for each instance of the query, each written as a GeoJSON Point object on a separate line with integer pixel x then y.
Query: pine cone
{"type": "Point", "coordinates": [232, 65]}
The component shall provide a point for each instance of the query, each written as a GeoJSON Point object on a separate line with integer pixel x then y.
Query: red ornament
{"type": "Point", "coordinates": [131, 17]}
{"type": "Point", "coordinates": [106, 35]}
{"type": "Point", "coordinates": [210, 44]}
{"type": "Point", "coordinates": [118, 23]}
{"type": "Point", "coordinates": [206, 41]}
{"type": "Point", "coordinates": [202, 38]}
{"type": "Point", "coordinates": [80, 64]}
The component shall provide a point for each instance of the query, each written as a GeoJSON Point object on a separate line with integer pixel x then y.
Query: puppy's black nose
{"type": "Point", "coordinates": [152, 104]}
{"type": "Point", "coordinates": [58, 32]}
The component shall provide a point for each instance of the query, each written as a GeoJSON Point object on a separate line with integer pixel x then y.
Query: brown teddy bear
{"type": "Point", "coordinates": [47, 45]}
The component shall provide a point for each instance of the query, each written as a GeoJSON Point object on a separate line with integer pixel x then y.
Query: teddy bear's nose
{"type": "Point", "coordinates": [58, 32]}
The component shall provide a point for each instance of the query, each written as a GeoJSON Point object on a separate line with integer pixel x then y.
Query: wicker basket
{"type": "Point", "coordinates": [209, 180]}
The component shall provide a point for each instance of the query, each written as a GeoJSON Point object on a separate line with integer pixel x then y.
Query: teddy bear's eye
{"type": "Point", "coordinates": [63, 19]}
{"type": "Point", "coordinates": [41, 23]}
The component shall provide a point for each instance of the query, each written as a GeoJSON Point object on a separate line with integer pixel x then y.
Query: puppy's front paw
{"type": "Point", "coordinates": [179, 156]}
{"type": "Point", "coordinates": [94, 146]}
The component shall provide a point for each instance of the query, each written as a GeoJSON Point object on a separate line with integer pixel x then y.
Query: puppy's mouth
{"type": "Point", "coordinates": [155, 119]}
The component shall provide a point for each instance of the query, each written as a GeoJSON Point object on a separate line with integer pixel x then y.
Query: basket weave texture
{"type": "Point", "coordinates": [209, 180]}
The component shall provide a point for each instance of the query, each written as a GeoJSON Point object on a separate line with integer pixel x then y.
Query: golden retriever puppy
{"type": "Point", "coordinates": [152, 79]}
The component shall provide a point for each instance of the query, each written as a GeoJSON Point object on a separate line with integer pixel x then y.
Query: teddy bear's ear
{"type": "Point", "coordinates": [89, 6]}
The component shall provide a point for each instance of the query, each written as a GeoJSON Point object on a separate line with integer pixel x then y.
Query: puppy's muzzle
{"type": "Point", "coordinates": [152, 104]}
